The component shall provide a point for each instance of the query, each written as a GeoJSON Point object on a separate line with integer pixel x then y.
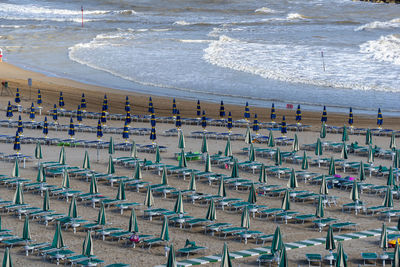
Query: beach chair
{"type": "Point", "coordinates": [314, 258]}
{"type": "Point", "coordinates": [117, 265]}
{"type": "Point", "coordinates": [369, 257]}
{"type": "Point", "coordinates": [266, 258]}
{"type": "Point", "coordinates": [190, 247]}
{"type": "Point", "coordinates": [216, 227]}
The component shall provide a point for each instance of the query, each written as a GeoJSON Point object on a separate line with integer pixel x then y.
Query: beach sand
{"type": "Point", "coordinates": [111, 251]}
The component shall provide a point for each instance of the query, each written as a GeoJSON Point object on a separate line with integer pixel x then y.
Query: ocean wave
{"type": "Point", "coordinates": [295, 16]}
{"type": "Point", "coordinates": [394, 23]}
{"type": "Point", "coordinates": [265, 10]}
{"type": "Point", "coordinates": [386, 48]}
{"type": "Point", "coordinates": [193, 41]}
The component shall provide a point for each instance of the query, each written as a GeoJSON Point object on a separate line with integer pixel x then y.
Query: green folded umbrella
{"type": "Point", "coordinates": [393, 142]}
{"type": "Point", "coordinates": [278, 157]}
{"type": "Point", "coordinates": [26, 232]}
{"type": "Point", "coordinates": [58, 241]}
{"type": "Point", "coordinates": [390, 180]}
{"type": "Point", "coordinates": [73, 211]}
{"type": "Point", "coordinates": [318, 148]}
{"type": "Point", "coordinates": [245, 219]}
{"type": "Point", "coordinates": [371, 156]}
{"type": "Point", "coordinates": [354, 194]}
{"type": "Point", "coordinates": [277, 242]}
{"type": "Point", "coordinates": [93, 185]}
{"type": "Point", "coordinates": [164, 178]}
{"type": "Point", "coordinates": [192, 184]}
{"type": "Point", "coordinates": [204, 145]}
{"type": "Point", "coordinates": [252, 153]}
{"type": "Point", "coordinates": [86, 161]}
{"type": "Point", "coordinates": [38, 151]}
{"type": "Point", "coordinates": [101, 216]}
{"type": "Point", "coordinates": [345, 136]}
{"type": "Point", "coordinates": [158, 155]}
{"type": "Point", "coordinates": [396, 159]}
{"type": "Point", "coordinates": [208, 164]}
{"type": "Point", "coordinates": [171, 262]}
{"type": "Point", "coordinates": [61, 157]}
{"type": "Point", "coordinates": [46, 202]}
{"type": "Point", "coordinates": [330, 241]}
{"type": "Point", "coordinates": [121, 191]}
{"type": "Point", "coordinates": [319, 212]}
{"type": "Point", "coordinates": [286, 201]}
{"type": "Point", "coordinates": [178, 208]}
{"type": "Point", "coordinates": [235, 169]}
{"type": "Point", "coordinates": [322, 133]}
{"type": "Point", "coordinates": [292, 183]}
{"type": "Point", "coordinates": [323, 190]}
{"type": "Point", "coordinates": [149, 201]}
{"type": "Point", "coordinates": [182, 160]}
{"type": "Point", "coordinates": [271, 140]}
{"type": "Point", "coordinates": [252, 195]}
{"type": "Point", "coordinates": [221, 188]}
{"type": "Point", "coordinates": [138, 172]}
{"type": "Point", "coordinates": [41, 177]}
{"type": "Point", "coordinates": [65, 182]}
{"type": "Point", "coordinates": [164, 230]}
{"type": "Point", "coordinates": [19, 195]}
{"type": "Point", "coordinates": [7, 262]}
{"type": "Point", "coordinates": [211, 212]}
{"type": "Point", "coordinates": [110, 166]}
{"type": "Point", "coordinates": [181, 141]}
{"type": "Point", "coordinates": [15, 170]}
{"type": "Point", "coordinates": [247, 137]}
{"type": "Point", "coordinates": [383, 243]}
{"type": "Point", "coordinates": [226, 260]}
{"type": "Point", "coordinates": [263, 176]}
{"type": "Point", "coordinates": [295, 146]}
{"type": "Point", "coordinates": [332, 168]}
{"type": "Point", "coordinates": [111, 149]}
{"type": "Point", "coordinates": [228, 148]}
{"type": "Point", "coordinates": [341, 258]}
{"type": "Point", "coordinates": [87, 248]}
{"type": "Point", "coordinates": [133, 150]}
{"type": "Point", "coordinates": [396, 256]}
{"type": "Point", "coordinates": [368, 137]}
{"type": "Point", "coordinates": [388, 201]}
{"type": "Point", "coordinates": [283, 262]}
{"type": "Point", "coordinates": [361, 172]}
{"type": "Point", "coordinates": [133, 224]}
{"type": "Point", "coordinates": [304, 163]}
{"type": "Point", "coordinates": [344, 154]}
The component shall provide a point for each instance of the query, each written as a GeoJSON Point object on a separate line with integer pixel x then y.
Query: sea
{"type": "Point", "coordinates": [338, 53]}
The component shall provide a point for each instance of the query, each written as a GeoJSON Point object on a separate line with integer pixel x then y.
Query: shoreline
{"type": "Point", "coordinates": [51, 86]}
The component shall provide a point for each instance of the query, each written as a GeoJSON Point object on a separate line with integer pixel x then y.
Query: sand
{"type": "Point", "coordinates": [111, 251]}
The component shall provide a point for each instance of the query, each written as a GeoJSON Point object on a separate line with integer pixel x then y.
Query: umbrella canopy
{"type": "Point", "coordinates": [283, 262]}
{"type": "Point", "coordinates": [18, 195]}
{"type": "Point", "coordinates": [247, 137]}
{"type": "Point", "coordinates": [164, 230]}
{"type": "Point", "coordinates": [351, 118]}
{"type": "Point", "coordinates": [198, 109]}
{"type": "Point", "coordinates": [45, 127]}
{"type": "Point", "coordinates": [204, 121]}
{"type": "Point", "coordinates": [171, 261]}
{"type": "Point", "coordinates": [121, 191]}
{"type": "Point", "coordinates": [226, 260]}
{"type": "Point", "coordinates": [221, 188]}
{"type": "Point", "coordinates": [101, 216]}
{"type": "Point", "coordinates": [222, 110]}
{"type": "Point", "coordinates": [295, 146]}
{"type": "Point", "coordinates": [390, 179]}
{"type": "Point", "coordinates": [324, 117]}
{"type": "Point", "coordinates": [277, 242]}
{"type": "Point", "coordinates": [32, 113]}
{"type": "Point", "coordinates": [105, 103]}
{"type": "Point", "coordinates": [273, 113]}
{"type": "Point", "coordinates": [65, 181]}
{"type": "Point", "coordinates": [383, 243]}
{"type": "Point", "coordinates": [111, 150]}
{"type": "Point", "coordinates": [368, 137]}
{"type": "Point", "coordinates": [396, 159]}
{"type": "Point", "coordinates": [153, 135]}
{"type": "Point", "coordinates": [235, 169]}
{"type": "Point", "coordinates": [204, 145]}
{"type": "Point", "coordinates": [46, 202]}
{"type": "Point", "coordinates": [354, 194]}
{"type": "Point", "coordinates": [151, 107]}
{"type": "Point", "coordinates": [283, 126]}
{"type": "Point", "coordinates": [304, 163]}
{"type": "Point", "coordinates": [99, 132]}
{"type": "Point", "coordinates": [319, 212]}
{"type": "Point", "coordinates": [103, 118]}
{"type": "Point", "coordinates": [330, 241]}
{"type": "Point", "coordinates": [323, 190]}
{"type": "Point", "coordinates": [133, 224]}
{"type": "Point", "coordinates": [192, 183]}
{"type": "Point", "coordinates": [138, 172]}
{"type": "Point", "coordinates": [318, 148]}
{"type": "Point", "coordinates": [9, 113]}
{"type": "Point", "coordinates": [61, 103]}
{"type": "Point", "coordinates": [286, 201]}
{"type": "Point", "coordinates": [332, 167]}
{"type": "Point", "coordinates": [61, 157]}
{"type": "Point", "coordinates": [247, 112]}
{"type": "Point", "coordinates": [128, 118]}
{"type": "Point", "coordinates": [79, 115]}
{"type": "Point", "coordinates": [344, 154]}
{"type": "Point", "coordinates": [83, 101]}
{"type": "Point", "coordinates": [164, 177]}
{"type": "Point", "coordinates": [133, 150]}
{"type": "Point", "coordinates": [93, 185]}
{"type": "Point", "coordinates": [298, 114]}
{"type": "Point", "coordinates": [127, 104]}
{"type": "Point", "coordinates": [17, 143]}
{"type": "Point", "coordinates": [278, 157]}
{"type": "Point", "coordinates": [178, 208]}
{"type": "Point", "coordinates": [15, 170]}
{"type": "Point", "coordinates": [181, 141]}
{"type": "Point", "coordinates": [20, 127]}
{"type": "Point", "coordinates": [256, 127]}
{"type": "Point", "coordinates": [26, 231]}
{"type": "Point", "coordinates": [345, 136]}
{"type": "Point", "coordinates": [252, 195]}
{"type": "Point", "coordinates": [110, 166]}
{"type": "Point", "coordinates": [178, 121]}
{"type": "Point", "coordinates": [252, 153]}
{"type": "Point", "coordinates": [361, 172]}
{"type": "Point", "coordinates": [182, 159]}
{"type": "Point", "coordinates": [229, 124]}
{"type": "Point", "coordinates": [245, 219]}
{"type": "Point", "coordinates": [341, 258]}
{"type": "Point", "coordinates": [228, 148]}
{"type": "Point", "coordinates": [292, 183]}
{"type": "Point", "coordinates": [392, 144]}
{"type": "Point", "coordinates": [396, 256]}
{"type": "Point", "coordinates": [322, 133]}
{"type": "Point", "coordinates": [41, 177]}
{"type": "Point", "coordinates": [271, 139]}
{"type": "Point", "coordinates": [87, 248]}
{"type": "Point", "coordinates": [158, 155]}
{"type": "Point", "coordinates": [73, 211]}
{"type": "Point", "coordinates": [211, 212]}
{"type": "Point", "coordinates": [17, 97]}
{"type": "Point", "coordinates": [379, 120]}
{"type": "Point", "coordinates": [388, 201]}
{"type": "Point", "coordinates": [263, 176]}
{"type": "Point", "coordinates": [208, 164]}
{"type": "Point", "coordinates": [371, 156]}
{"type": "Point", "coordinates": [58, 241]}
{"type": "Point", "coordinates": [174, 109]}
{"type": "Point", "coordinates": [38, 151]}
{"type": "Point", "coordinates": [149, 201]}
{"type": "Point", "coordinates": [86, 161]}
{"type": "Point", "coordinates": [7, 262]}
{"type": "Point", "coordinates": [125, 131]}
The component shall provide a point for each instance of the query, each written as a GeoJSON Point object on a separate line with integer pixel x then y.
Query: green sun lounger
{"type": "Point", "coordinates": [369, 257]}
{"type": "Point", "coordinates": [314, 258]}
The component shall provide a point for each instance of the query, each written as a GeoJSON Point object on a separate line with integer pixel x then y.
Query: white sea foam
{"type": "Point", "coordinates": [182, 23]}
{"type": "Point", "coordinates": [265, 10]}
{"type": "Point", "coordinates": [386, 48]}
{"type": "Point", "coordinates": [295, 16]}
{"type": "Point", "coordinates": [394, 23]}
{"type": "Point", "coordinates": [193, 41]}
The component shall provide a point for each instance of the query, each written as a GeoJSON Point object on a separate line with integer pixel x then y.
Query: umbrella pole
{"type": "Point", "coordinates": [97, 152]}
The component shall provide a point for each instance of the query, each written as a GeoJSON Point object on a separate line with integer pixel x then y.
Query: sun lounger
{"type": "Point", "coordinates": [190, 249]}
{"type": "Point", "coordinates": [266, 258]}
{"type": "Point", "coordinates": [231, 231]}
{"type": "Point", "coordinates": [216, 227]}
{"type": "Point", "coordinates": [343, 225]}
{"type": "Point", "coordinates": [321, 223]}
{"type": "Point", "coordinates": [153, 241]}
{"type": "Point", "coordinates": [314, 258]}
{"type": "Point", "coordinates": [305, 217]}
{"type": "Point", "coordinates": [196, 221]}
{"type": "Point", "coordinates": [369, 257]}
{"type": "Point", "coordinates": [118, 265]}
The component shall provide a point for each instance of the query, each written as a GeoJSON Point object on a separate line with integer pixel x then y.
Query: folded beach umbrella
{"type": "Point", "coordinates": [15, 170]}
{"type": "Point", "coordinates": [103, 118]}
{"type": "Point", "coordinates": [181, 140]}
{"type": "Point", "coordinates": [133, 224]}
{"type": "Point", "coordinates": [271, 139]}
{"type": "Point", "coordinates": [61, 156]}
{"type": "Point", "coordinates": [235, 169]}
{"type": "Point", "coordinates": [247, 112]}
{"type": "Point", "coordinates": [73, 211]}
{"type": "Point", "coordinates": [41, 177]}
{"type": "Point", "coordinates": [318, 150]}
{"type": "Point", "coordinates": [125, 132]}
{"type": "Point", "coordinates": [153, 135]}
{"type": "Point", "coordinates": [390, 180]}
{"type": "Point", "coordinates": [9, 112]}
{"type": "Point", "coordinates": [182, 159]}
{"type": "Point", "coordinates": [45, 127]}
{"type": "Point", "coordinates": [283, 261]}
{"type": "Point", "coordinates": [323, 190]}
{"type": "Point", "coordinates": [26, 231]}
{"type": "Point", "coordinates": [298, 114]}
{"type": "Point", "coordinates": [121, 191]}
{"type": "Point", "coordinates": [198, 109]}
{"type": "Point", "coordinates": [99, 132]}
{"type": "Point", "coordinates": [58, 241]}
{"type": "Point", "coordinates": [304, 163]}
{"type": "Point", "coordinates": [204, 121]}
{"type": "Point", "coordinates": [277, 242]}
{"type": "Point", "coordinates": [392, 144]}
{"type": "Point", "coordinates": [371, 156]}
{"type": "Point", "coordinates": [247, 137]}
{"type": "Point", "coordinates": [65, 182]}
{"type": "Point", "coordinates": [153, 120]}
{"type": "Point", "coordinates": [17, 143]}
{"type": "Point", "coordinates": [18, 195]}
{"type": "Point", "coordinates": [178, 122]}
{"type": "Point", "coordinates": [178, 208]}
{"type": "Point", "coordinates": [71, 130]}
{"type": "Point", "coordinates": [174, 109]}
{"type": "Point", "coordinates": [273, 113]}
{"type": "Point", "coordinates": [354, 194]}
{"type": "Point", "coordinates": [324, 117]}
{"type": "Point", "coordinates": [256, 127]}
{"type": "Point", "coordinates": [345, 136]}
{"type": "Point", "coordinates": [341, 257]}
{"type": "Point", "coordinates": [278, 157]}
{"type": "Point", "coordinates": [93, 185]}
{"type": "Point", "coordinates": [149, 200]}
{"type": "Point", "coordinates": [54, 113]}
{"type": "Point", "coordinates": [245, 219]}
{"type": "Point", "coordinates": [322, 133]}
{"type": "Point", "coordinates": [171, 261]}
{"type": "Point", "coordinates": [17, 97]}
{"type": "Point", "coordinates": [295, 145]}
{"type": "Point", "coordinates": [221, 188]}
{"type": "Point", "coordinates": [133, 150]}
{"type": "Point", "coordinates": [46, 201]}
{"type": "Point", "coordinates": [38, 151]}
{"type": "Point", "coordinates": [83, 102]}
{"type": "Point", "coordinates": [379, 120]}
{"type": "Point", "coordinates": [368, 137]}
{"type": "Point", "coordinates": [226, 260]}
{"type": "Point", "coordinates": [208, 164]}
{"type": "Point", "coordinates": [164, 177]}
{"type": "Point", "coordinates": [286, 201]}
{"type": "Point", "coordinates": [283, 126]}
{"type": "Point", "coordinates": [344, 154]}
{"type": "Point", "coordinates": [86, 161]}
{"type": "Point", "coordinates": [332, 167]}
{"type": "Point", "coordinates": [110, 166]}
{"type": "Point", "coordinates": [263, 176]}
{"type": "Point", "coordinates": [192, 183]}
{"type": "Point", "coordinates": [61, 103]}
{"type": "Point", "coordinates": [396, 160]}
{"type": "Point", "coordinates": [32, 113]}
{"type": "Point", "coordinates": [79, 117]}
{"type": "Point", "coordinates": [7, 262]}
{"type": "Point", "coordinates": [127, 104]}
{"type": "Point", "coordinates": [101, 216]}
{"type": "Point", "coordinates": [87, 248]}
{"type": "Point", "coordinates": [252, 195]}
{"type": "Point", "coordinates": [128, 118]}
{"type": "Point", "coordinates": [329, 240]}
{"type": "Point", "coordinates": [222, 110]}
{"type": "Point", "coordinates": [252, 153]}
{"type": "Point", "coordinates": [396, 256]}
{"type": "Point", "coordinates": [138, 172]}
{"type": "Point", "coordinates": [388, 201]}
{"type": "Point", "coordinates": [292, 183]}
{"type": "Point", "coordinates": [105, 104]}
{"type": "Point", "coordinates": [319, 212]}
{"type": "Point", "coordinates": [211, 212]}
{"type": "Point", "coordinates": [229, 124]}
{"type": "Point", "coordinates": [204, 145]}
{"type": "Point", "coordinates": [164, 230]}
{"type": "Point", "coordinates": [151, 107]}
{"type": "Point", "coordinates": [228, 148]}
{"type": "Point", "coordinates": [20, 127]}
{"type": "Point", "coordinates": [383, 243]}
{"type": "Point", "coordinates": [351, 118]}
{"type": "Point", "coordinates": [361, 172]}
{"type": "Point", "coordinates": [158, 155]}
